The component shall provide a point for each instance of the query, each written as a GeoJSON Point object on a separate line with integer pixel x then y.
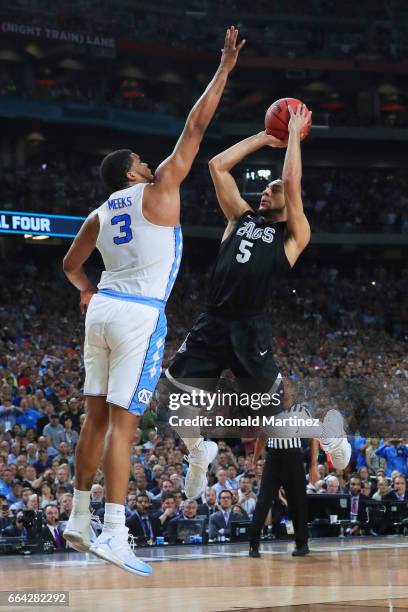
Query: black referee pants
{"type": "Point", "coordinates": [283, 467]}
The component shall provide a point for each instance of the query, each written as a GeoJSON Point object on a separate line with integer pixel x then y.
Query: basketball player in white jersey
{"type": "Point", "coordinates": [138, 235]}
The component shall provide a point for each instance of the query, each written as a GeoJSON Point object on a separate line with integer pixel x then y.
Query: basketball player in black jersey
{"type": "Point", "coordinates": [235, 331]}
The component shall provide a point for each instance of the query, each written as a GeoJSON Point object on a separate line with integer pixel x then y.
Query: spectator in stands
{"type": "Point", "coordinates": [6, 516]}
{"type": "Point", "coordinates": [332, 485]}
{"type": "Point", "coordinates": [45, 419]}
{"type": "Point", "coordinates": [246, 497]}
{"type": "Point", "coordinates": [6, 479]}
{"type": "Point", "coordinates": [366, 488]}
{"type": "Point", "coordinates": [363, 473]}
{"type": "Point", "coordinates": [66, 506]}
{"type": "Point", "coordinates": [16, 529]}
{"type": "Point", "coordinates": [188, 511]}
{"type": "Point", "coordinates": [15, 491]}
{"type": "Point", "coordinates": [210, 505]}
{"type": "Point", "coordinates": [69, 436]}
{"type": "Point", "coordinates": [399, 493]}
{"type": "Point", "coordinates": [357, 505]}
{"type": "Point", "coordinates": [31, 453]}
{"type": "Point", "coordinates": [97, 494]}
{"type": "Point", "coordinates": [221, 483]}
{"type": "Point", "coordinates": [21, 504]}
{"type": "Point", "coordinates": [74, 412]}
{"type": "Point", "coordinates": [220, 522]}
{"type": "Point", "coordinates": [32, 503]}
{"type": "Point", "coordinates": [382, 489]}
{"type": "Point", "coordinates": [167, 512]}
{"type": "Point", "coordinates": [232, 482]}
{"type": "Point", "coordinates": [44, 443]}
{"type": "Point", "coordinates": [396, 454]}
{"type": "Point", "coordinates": [43, 462]}
{"type": "Point", "coordinates": [157, 474]}
{"type": "Point", "coordinates": [177, 481]}
{"type": "Point", "coordinates": [46, 496]}
{"type": "Point", "coordinates": [374, 462]}
{"type": "Point", "coordinates": [51, 532]}
{"type": "Point", "coordinates": [53, 429]}
{"type": "Point", "coordinates": [166, 486]}
{"type": "Point", "coordinates": [65, 455]}
{"type": "Point", "coordinates": [142, 524]}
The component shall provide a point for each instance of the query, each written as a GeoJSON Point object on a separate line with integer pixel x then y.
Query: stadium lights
{"type": "Point", "coordinates": [31, 237]}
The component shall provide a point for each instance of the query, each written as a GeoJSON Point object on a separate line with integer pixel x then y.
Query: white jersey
{"type": "Point", "coordinates": [140, 258]}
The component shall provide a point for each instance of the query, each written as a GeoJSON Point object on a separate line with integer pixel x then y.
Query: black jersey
{"type": "Point", "coordinates": [250, 262]}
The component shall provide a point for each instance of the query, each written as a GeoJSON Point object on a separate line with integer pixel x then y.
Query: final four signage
{"type": "Point", "coordinates": [39, 224]}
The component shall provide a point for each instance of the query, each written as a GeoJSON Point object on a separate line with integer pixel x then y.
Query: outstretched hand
{"type": "Point", "coordinates": [299, 118]}
{"type": "Point", "coordinates": [231, 50]}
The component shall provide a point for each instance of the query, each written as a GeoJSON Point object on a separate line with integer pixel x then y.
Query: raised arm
{"type": "Point", "coordinates": [173, 170]}
{"type": "Point", "coordinates": [79, 251]}
{"type": "Point", "coordinates": [297, 224]}
{"type": "Point", "coordinates": [228, 195]}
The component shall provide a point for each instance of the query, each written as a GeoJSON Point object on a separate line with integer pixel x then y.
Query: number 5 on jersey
{"type": "Point", "coordinates": [125, 230]}
{"type": "Point", "coordinates": [244, 251]}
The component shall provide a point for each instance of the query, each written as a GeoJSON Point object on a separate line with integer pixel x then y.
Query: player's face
{"type": "Point", "coordinates": [273, 197]}
{"type": "Point", "coordinates": [139, 171]}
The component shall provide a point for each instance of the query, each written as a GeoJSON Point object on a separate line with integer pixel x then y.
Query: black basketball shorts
{"type": "Point", "coordinates": [243, 346]}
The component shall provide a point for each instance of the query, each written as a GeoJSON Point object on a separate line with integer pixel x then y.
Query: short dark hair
{"type": "Point", "coordinates": [167, 495]}
{"type": "Point", "coordinates": [225, 491]}
{"type": "Point", "coordinates": [114, 167]}
{"type": "Point", "coordinates": [142, 495]}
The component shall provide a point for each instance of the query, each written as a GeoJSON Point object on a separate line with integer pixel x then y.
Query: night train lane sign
{"type": "Point", "coordinates": [63, 226]}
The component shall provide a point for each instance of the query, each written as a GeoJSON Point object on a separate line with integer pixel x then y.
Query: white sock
{"type": "Point", "coordinates": [114, 517]}
{"type": "Point", "coordinates": [81, 502]}
{"type": "Point", "coordinates": [192, 442]}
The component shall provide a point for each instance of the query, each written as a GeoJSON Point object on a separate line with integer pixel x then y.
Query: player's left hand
{"type": "Point", "coordinates": [299, 118]}
{"type": "Point", "coordinates": [86, 298]}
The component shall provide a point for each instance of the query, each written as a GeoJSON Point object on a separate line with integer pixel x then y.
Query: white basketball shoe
{"type": "Point", "coordinates": [199, 459]}
{"type": "Point", "coordinates": [115, 548]}
{"type": "Point", "coordinates": [334, 440]}
{"type": "Point", "coordinates": [77, 531]}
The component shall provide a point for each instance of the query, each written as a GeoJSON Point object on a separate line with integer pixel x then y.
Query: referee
{"type": "Point", "coordinates": [283, 467]}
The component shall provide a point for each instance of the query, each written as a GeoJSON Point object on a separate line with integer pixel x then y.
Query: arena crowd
{"type": "Point", "coordinates": [344, 200]}
{"type": "Point", "coordinates": [343, 345]}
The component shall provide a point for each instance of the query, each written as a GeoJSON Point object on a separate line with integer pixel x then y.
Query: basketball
{"type": "Point", "coordinates": [277, 118]}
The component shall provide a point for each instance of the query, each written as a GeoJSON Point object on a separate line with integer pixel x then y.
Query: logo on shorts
{"type": "Point", "coordinates": [144, 396]}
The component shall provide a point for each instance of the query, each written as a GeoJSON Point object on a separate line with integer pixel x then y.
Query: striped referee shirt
{"type": "Point", "coordinates": [285, 443]}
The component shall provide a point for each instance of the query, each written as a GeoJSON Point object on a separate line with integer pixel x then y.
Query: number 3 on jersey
{"type": "Point", "coordinates": [125, 230]}
{"type": "Point", "coordinates": [244, 251]}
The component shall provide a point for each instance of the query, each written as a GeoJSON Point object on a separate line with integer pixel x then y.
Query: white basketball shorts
{"type": "Point", "coordinates": [123, 352]}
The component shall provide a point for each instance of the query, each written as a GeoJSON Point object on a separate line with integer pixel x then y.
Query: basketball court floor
{"type": "Point", "coordinates": [353, 575]}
